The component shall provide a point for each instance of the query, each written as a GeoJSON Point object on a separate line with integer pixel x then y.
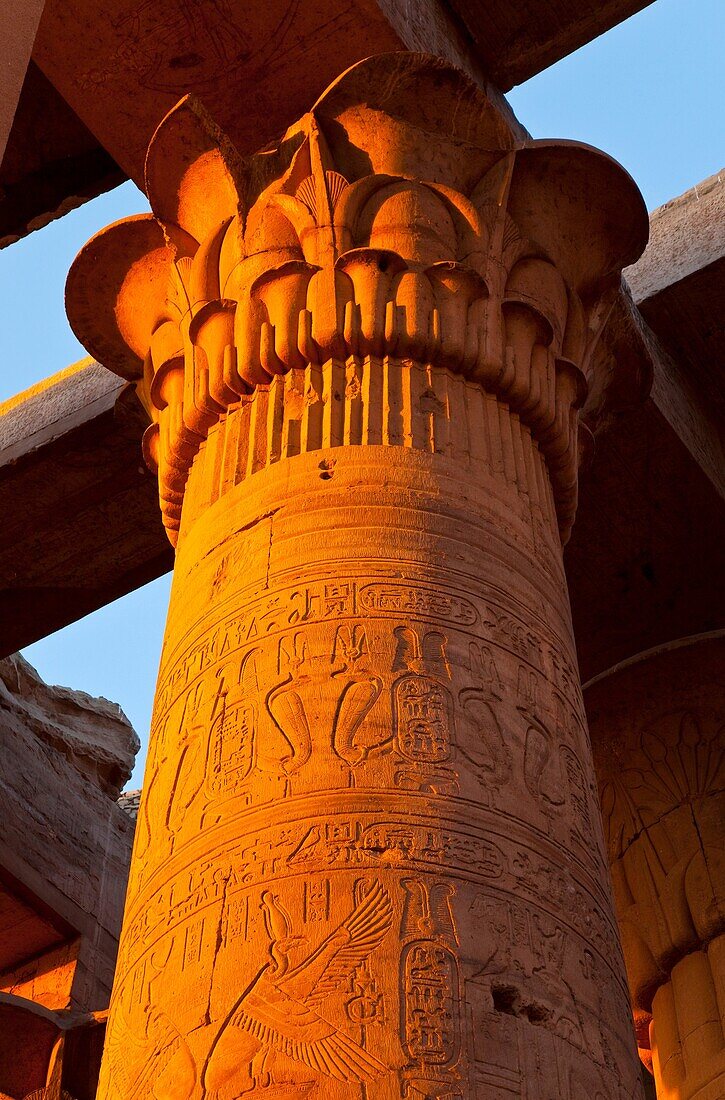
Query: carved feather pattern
{"type": "Point", "coordinates": [355, 939]}
{"type": "Point", "coordinates": [44, 1094]}
{"type": "Point", "coordinates": [306, 194]}
{"type": "Point", "coordinates": [140, 1064]}
{"type": "Point", "coordinates": [336, 184]}
{"type": "Point", "coordinates": [278, 1011]}
{"type": "Point", "coordinates": [307, 191]}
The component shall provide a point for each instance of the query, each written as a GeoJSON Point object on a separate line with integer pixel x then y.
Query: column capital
{"type": "Point", "coordinates": [399, 221]}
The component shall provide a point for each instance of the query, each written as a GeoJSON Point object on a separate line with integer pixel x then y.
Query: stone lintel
{"type": "Point", "coordinates": [52, 162]}
{"type": "Point", "coordinates": [135, 65]}
{"type": "Point", "coordinates": [646, 556]}
{"type": "Point", "coordinates": [18, 22]}
{"type": "Point", "coordinates": [82, 525]}
{"type": "Point", "coordinates": [517, 40]}
{"type": "Point", "coordinates": [679, 286]}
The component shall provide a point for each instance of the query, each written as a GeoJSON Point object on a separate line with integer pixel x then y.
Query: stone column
{"type": "Point", "coordinates": [369, 861]}
{"type": "Point", "coordinates": [657, 726]}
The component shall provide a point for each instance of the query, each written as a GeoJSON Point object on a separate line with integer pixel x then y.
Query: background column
{"type": "Point", "coordinates": [657, 726]}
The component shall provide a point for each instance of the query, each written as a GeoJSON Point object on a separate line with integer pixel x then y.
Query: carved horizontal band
{"type": "Point", "coordinates": [374, 233]}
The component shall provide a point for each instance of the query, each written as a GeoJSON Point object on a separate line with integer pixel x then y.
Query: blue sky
{"type": "Point", "coordinates": [650, 92]}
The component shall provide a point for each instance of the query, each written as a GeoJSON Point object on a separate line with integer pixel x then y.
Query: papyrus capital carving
{"type": "Point", "coordinates": [400, 222]}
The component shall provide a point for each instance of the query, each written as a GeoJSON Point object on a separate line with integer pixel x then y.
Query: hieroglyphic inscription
{"type": "Point", "coordinates": [419, 706]}
{"type": "Point", "coordinates": [330, 601]}
{"type": "Point", "coordinates": [430, 1003]}
{"type": "Point", "coordinates": [398, 599]}
{"type": "Point", "coordinates": [429, 984]}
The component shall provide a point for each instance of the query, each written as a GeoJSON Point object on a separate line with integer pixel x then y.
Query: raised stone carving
{"type": "Point", "coordinates": [286, 281]}
{"type": "Point", "coordinates": [657, 727]}
{"type": "Point", "coordinates": [365, 353]}
{"type": "Point", "coordinates": [278, 1014]}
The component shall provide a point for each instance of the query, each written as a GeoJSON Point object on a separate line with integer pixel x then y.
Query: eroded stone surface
{"type": "Point", "coordinates": [93, 734]}
{"type": "Point", "coordinates": [368, 857]}
{"type": "Point", "coordinates": [65, 848]}
{"type": "Point", "coordinates": [129, 803]}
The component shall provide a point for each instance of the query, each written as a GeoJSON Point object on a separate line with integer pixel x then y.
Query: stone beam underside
{"type": "Point", "coordinates": [81, 524]}
{"type": "Point", "coordinates": [111, 69]}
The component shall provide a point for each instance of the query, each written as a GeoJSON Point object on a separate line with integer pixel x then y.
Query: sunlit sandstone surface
{"type": "Point", "coordinates": [369, 859]}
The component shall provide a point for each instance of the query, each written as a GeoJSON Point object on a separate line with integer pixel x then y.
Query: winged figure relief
{"type": "Point", "coordinates": [278, 1013]}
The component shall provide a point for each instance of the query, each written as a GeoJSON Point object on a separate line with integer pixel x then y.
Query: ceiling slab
{"type": "Point", "coordinates": [518, 38]}
{"type": "Point", "coordinates": [113, 68]}
{"type": "Point", "coordinates": [81, 518]}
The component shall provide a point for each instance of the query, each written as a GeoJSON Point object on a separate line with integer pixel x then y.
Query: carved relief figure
{"type": "Point", "coordinates": [524, 972]}
{"type": "Point", "coordinates": [285, 703]}
{"type": "Point", "coordinates": [486, 749]}
{"type": "Point", "coordinates": [172, 788]}
{"type": "Point", "coordinates": [156, 1063]}
{"type": "Point", "coordinates": [189, 775]}
{"type": "Point", "coordinates": [359, 693]}
{"type": "Point", "coordinates": [278, 1011]}
{"type": "Point", "coordinates": [541, 769]}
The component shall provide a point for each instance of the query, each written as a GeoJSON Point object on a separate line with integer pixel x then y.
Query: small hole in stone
{"type": "Point", "coordinates": [537, 1014]}
{"type": "Point", "coordinates": [382, 263]}
{"type": "Point", "coordinates": [186, 61]}
{"type": "Point", "coordinates": [505, 999]}
{"type": "Point", "coordinates": [325, 475]}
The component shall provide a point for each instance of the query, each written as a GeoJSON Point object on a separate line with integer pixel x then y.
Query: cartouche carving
{"type": "Point", "coordinates": [367, 864]}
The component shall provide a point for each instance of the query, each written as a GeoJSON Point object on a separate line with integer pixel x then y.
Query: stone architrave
{"type": "Point", "coordinates": [658, 726]}
{"type": "Point", "coordinates": [369, 860]}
